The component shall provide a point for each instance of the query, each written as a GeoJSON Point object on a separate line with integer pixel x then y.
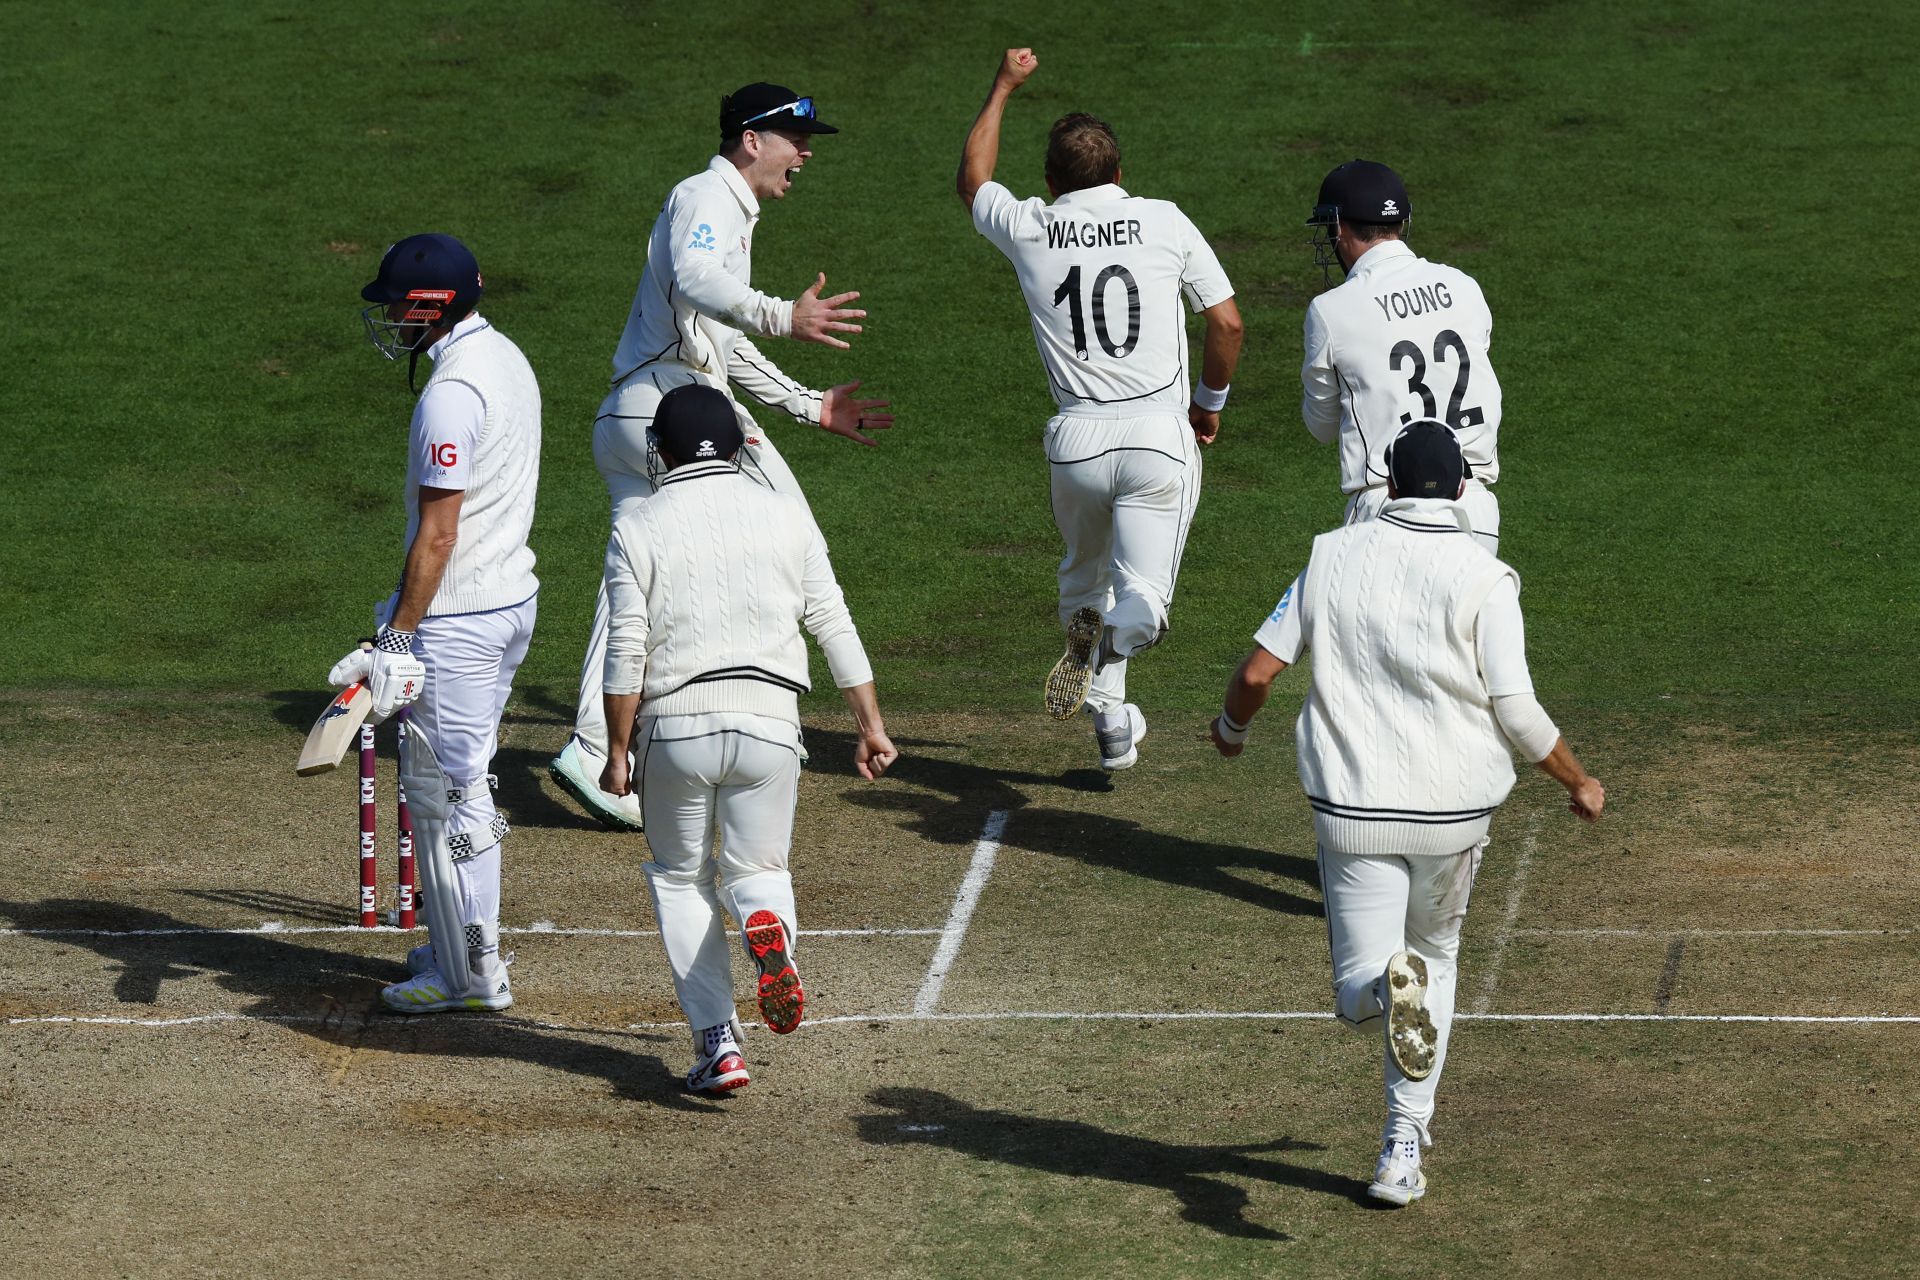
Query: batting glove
{"type": "Point", "coordinates": [395, 677]}
{"type": "Point", "coordinates": [354, 668]}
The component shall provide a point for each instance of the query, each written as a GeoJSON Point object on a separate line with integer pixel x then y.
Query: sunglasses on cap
{"type": "Point", "coordinates": [800, 107]}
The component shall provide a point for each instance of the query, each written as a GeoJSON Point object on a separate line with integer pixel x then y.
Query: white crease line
{"type": "Point", "coordinates": [1714, 933]}
{"type": "Point", "coordinates": [1491, 982]}
{"type": "Point", "coordinates": [273, 927]}
{"type": "Point", "coordinates": [984, 851]}
{"type": "Point", "coordinates": [368, 1021]}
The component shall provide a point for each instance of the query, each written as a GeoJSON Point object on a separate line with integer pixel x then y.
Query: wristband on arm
{"type": "Point", "coordinates": [1209, 399]}
{"type": "Point", "coordinates": [1231, 733]}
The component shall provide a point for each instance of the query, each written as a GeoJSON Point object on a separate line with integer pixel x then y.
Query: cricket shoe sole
{"type": "Point", "coordinates": [782, 999]}
{"type": "Point", "coordinates": [428, 993]}
{"type": "Point", "coordinates": [1067, 682]}
{"type": "Point", "coordinates": [1412, 1039]}
{"type": "Point", "coordinates": [574, 769]}
{"type": "Point", "coordinates": [720, 1074]}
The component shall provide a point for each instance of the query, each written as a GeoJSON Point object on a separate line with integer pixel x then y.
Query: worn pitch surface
{"type": "Point", "coordinates": [198, 1083]}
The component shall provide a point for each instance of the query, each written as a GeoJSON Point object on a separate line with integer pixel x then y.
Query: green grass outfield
{"type": "Point", "coordinates": [1692, 230]}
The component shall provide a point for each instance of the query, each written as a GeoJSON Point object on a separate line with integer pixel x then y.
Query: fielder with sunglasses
{"type": "Point", "coordinates": [693, 321]}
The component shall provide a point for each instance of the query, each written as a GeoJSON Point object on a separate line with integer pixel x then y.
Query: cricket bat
{"type": "Point", "coordinates": [336, 729]}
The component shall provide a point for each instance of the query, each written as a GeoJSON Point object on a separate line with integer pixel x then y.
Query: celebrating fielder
{"type": "Point", "coordinates": [455, 631]}
{"type": "Point", "coordinates": [1400, 339]}
{"type": "Point", "coordinates": [691, 316]}
{"type": "Point", "coordinates": [709, 583]}
{"type": "Point", "coordinates": [1103, 273]}
{"type": "Point", "coordinates": [1419, 695]}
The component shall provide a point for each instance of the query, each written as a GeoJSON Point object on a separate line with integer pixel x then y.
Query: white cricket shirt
{"type": "Point", "coordinates": [696, 300]}
{"type": "Point", "coordinates": [1103, 273]}
{"type": "Point", "coordinates": [1400, 339]}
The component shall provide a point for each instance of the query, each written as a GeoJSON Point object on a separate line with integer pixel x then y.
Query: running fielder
{"type": "Point", "coordinates": [1103, 273]}
{"type": "Point", "coordinates": [1419, 695]}
{"type": "Point", "coordinates": [690, 322]}
{"type": "Point", "coordinates": [1400, 339]}
{"type": "Point", "coordinates": [709, 583]}
{"type": "Point", "coordinates": [455, 631]}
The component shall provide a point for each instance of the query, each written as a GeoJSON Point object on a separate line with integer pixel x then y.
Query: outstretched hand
{"type": "Point", "coordinates": [843, 415]}
{"type": "Point", "coordinates": [1017, 66]}
{"type": "Point", "coordinates": [817, 319]}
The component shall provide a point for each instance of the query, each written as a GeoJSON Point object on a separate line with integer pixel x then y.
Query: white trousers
{"type": "Point", "coordinates": [620, 451]}
{"type": "Point", "coordinates": [1483, 510]}
{"type": "Point", "coordinates": [1124, 493]}
{"type": "Point", "coordinates": [470, 659]}
{"type": "Point", "coordinates": [1376, 907]}
{"type": "Point", "coordinates": [738, 774]}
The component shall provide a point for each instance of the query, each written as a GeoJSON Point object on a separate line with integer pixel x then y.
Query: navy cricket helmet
{"type": "Point", "coordinates": [436, 276]}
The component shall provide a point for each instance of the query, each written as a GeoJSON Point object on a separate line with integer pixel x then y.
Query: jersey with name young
{"type": "Point", "coordinates": [1103, 273]}
{"type": "Point", "coordinates": [1400, 339]}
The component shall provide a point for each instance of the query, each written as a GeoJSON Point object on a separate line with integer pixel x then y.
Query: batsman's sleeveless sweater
{"type": "Point", "coordinates": [1399, 750]}
{"type": "Point", "coordinates": [492, 566]}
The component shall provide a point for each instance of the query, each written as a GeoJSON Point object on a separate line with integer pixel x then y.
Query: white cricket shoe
{"type": "Point", "coordinates": [420, 959]}
{"type": "Point", "coordinates": [1119, 734]}
{"type": "Point", "coordinates": [720, 1067]}
{"type": "Point", "coordinates": [1412, 1039]}
{"type": "Point", "coordinates": [1397, 1178]}
{"type": "Point", "coordinates": [430, 993]}
{"type": "Point", "coordinates": [577, 770]}
{"type": "Point", "coordinates": [1067, 682]}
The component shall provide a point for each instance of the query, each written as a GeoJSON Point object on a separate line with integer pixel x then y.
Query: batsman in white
{"type": "Point", "coordinates": [1103, 273]}
{"type": "Point", "coordinates": [709, 583]}
{"type": "Point", "coordinates": [1419, 695]}
{"type": "Point", "coordinates": [454, 632]}
{"type": "Point", "coordinates": [1400, 339]}
{"type": "Point", "coordinates": [691, 318]}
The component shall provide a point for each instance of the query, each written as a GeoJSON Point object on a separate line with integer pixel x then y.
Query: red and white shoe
{"type": "Point", "coordinates": [720, 1069]}
{"type": "Point", "coordinates": [782, 999]}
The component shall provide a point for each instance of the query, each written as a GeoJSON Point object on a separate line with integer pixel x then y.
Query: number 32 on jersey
{"type": "Point", "coordinates": [1448, 348]}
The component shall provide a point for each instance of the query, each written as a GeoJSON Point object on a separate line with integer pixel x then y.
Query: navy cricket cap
{"type": "Point", "coordinates": [768, 106]}
{"type": "Point", "coordinates": [1361, 191]}
{"type": "Point", "coordinates": [427, 265]}
{"type": "Point", "coordinates": [695, 423]}
{"type": "Point", "coordinates": [1424, 461]}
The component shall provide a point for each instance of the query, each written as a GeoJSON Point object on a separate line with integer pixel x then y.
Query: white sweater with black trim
{"type": "Point", "coordinates": [709, 582]}
{"type": "Point", "coordinates": [1399, 748]}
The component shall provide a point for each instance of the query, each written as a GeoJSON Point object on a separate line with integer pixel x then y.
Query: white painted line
{"type": "Point", "coordinates": [1664, 934]}
{"type": "Point", "coordinates": [984, 852]}
{"type": "Point", "coordinates": [539, 928]}
{"type": "Point", "coordinates": [370, 1019]}
{"type": "Point", "coordinates": [1491, 982]}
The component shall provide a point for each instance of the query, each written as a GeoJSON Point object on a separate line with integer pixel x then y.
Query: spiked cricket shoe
{"type": "Point", "coordinates": [720, 1068]}
{"type": "Point", "coordinates": [1412, 1039]}
{"type": "Point", "coordinates": [430, 993]}
{"type": "Point", "coordinates": [781, 997]}
{"type": "Point", "coordinates": [1120, 743]}
{"type": "Point", "coordinates": [1067, 682]}
{"type": "Point", "coordinates": [1397, 1178]}
{"type": "Point", "coordinates": [577, 770]}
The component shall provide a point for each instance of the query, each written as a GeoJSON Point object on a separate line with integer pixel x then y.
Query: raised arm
{"type": "Point", "coordinates": [982, 152]}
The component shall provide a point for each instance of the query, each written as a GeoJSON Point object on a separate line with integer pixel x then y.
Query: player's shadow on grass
{"type": "Point", "coordinates": [1072, 1149]}
{"type": "Point", "coordinates": [329, 995]}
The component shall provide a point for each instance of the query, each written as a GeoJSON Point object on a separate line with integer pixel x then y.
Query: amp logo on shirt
{"type": "Point", "coordinates": [1280, 610]}
{"type": "Point", "coordinates": [702, 237]}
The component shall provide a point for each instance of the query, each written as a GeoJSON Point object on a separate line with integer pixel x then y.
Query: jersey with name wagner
{"type": "Point", "coordinates": [1103, 273]}
{"type": "Point", "coordinates": [1400, 339]}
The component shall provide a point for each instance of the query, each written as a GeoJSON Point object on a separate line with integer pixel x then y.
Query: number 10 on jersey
{"type": "Point", "coordinates": [1069, 292]}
